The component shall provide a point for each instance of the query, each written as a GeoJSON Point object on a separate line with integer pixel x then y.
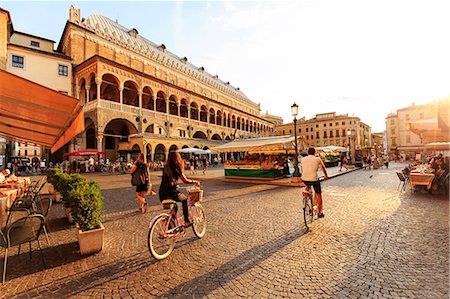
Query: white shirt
{"type": "Point", "coordinates": [91, 161]}
{"type": "Point", "coordinates": [42, 164]}
{"type": "Point", "coordinates": [310, 165]}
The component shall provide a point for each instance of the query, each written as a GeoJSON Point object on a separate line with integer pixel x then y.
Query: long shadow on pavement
{"type": "Point", "coordinates": [229, 271]}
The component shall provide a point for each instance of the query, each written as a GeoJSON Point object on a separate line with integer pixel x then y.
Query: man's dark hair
{"type": "Point", "coordinates": [311, 151]}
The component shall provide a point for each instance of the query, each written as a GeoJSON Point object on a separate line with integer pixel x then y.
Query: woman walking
{"type": "Point", "coordinates": [142, 189]}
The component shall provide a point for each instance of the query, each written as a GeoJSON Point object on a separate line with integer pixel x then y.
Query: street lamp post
{"type": "Point", "coordinates": [349, 133]}
{"type": "Point", "coordinates": [294, 110]}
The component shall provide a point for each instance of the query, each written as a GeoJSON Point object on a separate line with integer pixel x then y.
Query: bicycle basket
{"type": "Point", "coordinates": [195, 194]}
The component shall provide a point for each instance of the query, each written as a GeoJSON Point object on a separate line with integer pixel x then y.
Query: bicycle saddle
{"type": "Point", "coordinates": [167, 203]}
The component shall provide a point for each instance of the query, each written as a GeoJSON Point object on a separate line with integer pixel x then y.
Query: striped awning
{"type": "Point", "coordinates": [30, 112]}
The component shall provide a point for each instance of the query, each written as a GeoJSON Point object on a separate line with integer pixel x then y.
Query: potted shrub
{"type": "Point", "coordinates": [87, 210]}
{"type": "Point", "coordinates": [52, 176]}
{"type": "Point", "coordinates": [64, 184]}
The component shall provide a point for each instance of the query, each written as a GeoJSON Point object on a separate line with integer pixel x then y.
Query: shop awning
{"type": "Point", "coordinates": [84, 153]}
{"type": "Point", "coordinates": [265, 144]}
{"type": "Point", "coordinates": [331, 148]}
{"type": "Point", "coordinates": [34, 113]}
{"type": "Point", "coordinates": [438, 146]}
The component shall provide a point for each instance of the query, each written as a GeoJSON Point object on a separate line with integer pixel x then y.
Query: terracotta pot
{"type": "Point", "coordinates": [57, 196]}
{"type": "Point", "coordinates": [69, 215]}
{"type": "Point", "coordinates": [50, 188]}
{"type": "Point", "coordinates": [91, 241]}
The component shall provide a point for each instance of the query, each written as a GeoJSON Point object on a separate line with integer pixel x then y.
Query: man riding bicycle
{"type": "Point", "coordinates": [310, 165]}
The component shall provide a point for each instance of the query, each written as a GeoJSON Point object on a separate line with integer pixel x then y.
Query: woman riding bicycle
{"type": "Point", "coordinates": [174, 170]}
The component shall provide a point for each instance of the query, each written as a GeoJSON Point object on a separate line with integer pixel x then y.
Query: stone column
{"type": "Point", "coordinates": [87, 93]}
{"type": "Point", "coordinates": [179, 109]}
{"type": "Point", "coordinates": [121, 94]}
{"type": "Point", "coordinates": [100, 143]}
{"type": "Point", "coordinates": [167, 155]}
{"type": "Point", "coordinates": [153, 155]}
{"type": "Point", "coordinates": [140, 126]}
{"type": "Point", "coordinates": [167, 107]}
{"type": "Point", "coordinates": [77, 92]}
{"type": "Point", "coordinates": [98, 81]}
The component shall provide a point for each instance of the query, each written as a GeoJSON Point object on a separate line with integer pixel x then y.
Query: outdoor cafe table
{"type": "Point", "coordinates": [421, 179]}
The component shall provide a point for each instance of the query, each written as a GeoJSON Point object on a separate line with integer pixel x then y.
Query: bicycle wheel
{"type": "Point", "coordinates": [159, 243]}
{"type": "Point", "coordinates": [308, 214]}
{"type": "Point", "coordinates": [198, 220]}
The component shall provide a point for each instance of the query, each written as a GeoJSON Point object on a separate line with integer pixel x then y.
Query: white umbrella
{"type": "Point", "coordinates": [189, 150]}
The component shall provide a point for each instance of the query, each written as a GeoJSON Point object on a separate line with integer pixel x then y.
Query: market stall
{"type": "Point", "coordinates": [265, 158]}
{"type": "Point", "coordinates": [330, 155]}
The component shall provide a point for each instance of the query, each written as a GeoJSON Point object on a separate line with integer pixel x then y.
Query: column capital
{"type": "Point", "coordinates": [98, 80]}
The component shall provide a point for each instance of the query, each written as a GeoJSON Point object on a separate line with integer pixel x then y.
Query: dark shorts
{"type": "Point", "coordinates": [142, 188]}
{"type": "Point", "coordinates": [315, 185]}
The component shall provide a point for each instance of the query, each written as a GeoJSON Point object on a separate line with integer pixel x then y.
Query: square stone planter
{"type": "Point", "coordinates": [50, 188]}
{"type": "Point", "coordinates": [91, 241]}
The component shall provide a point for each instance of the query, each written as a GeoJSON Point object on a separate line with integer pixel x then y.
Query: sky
{"type": "Point", "coordinates": [364, 58]}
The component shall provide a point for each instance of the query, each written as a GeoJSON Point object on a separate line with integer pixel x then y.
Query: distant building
{"type": "Point", "coordinates": [378, 143]}
{"type": "Point", "coordinates": [276, 120]}
{"type": "Point", "coordinates": [331, 129]}
{"type": "Point", "coordinates": [33, 58]}
{"type": "Point", "coordinates": [412, 127]}
{"type": "Point", "coordinates": [140, 97]}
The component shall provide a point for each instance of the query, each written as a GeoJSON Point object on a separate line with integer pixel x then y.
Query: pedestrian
{"type": "Point", "coordinates": [195, 165]}
{"type": "Point", "coordinates": [91, 164]}
{"type": "Point", "coordinates": [141, 189]}
{"type": "Point", "coordinates": [343, 163]}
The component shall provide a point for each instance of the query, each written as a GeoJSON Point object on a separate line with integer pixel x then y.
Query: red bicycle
{"type": "Point", "coordinates": [166, 227]}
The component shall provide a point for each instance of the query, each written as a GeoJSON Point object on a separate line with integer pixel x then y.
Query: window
{"type": "Point", "coordinates": [325, 134]}
{"type": "Point", "coordinates": [17, 61]}
{"type": "Point", "coordinates": [18, 153]}
{"type": "Point", "coordinates": [312, 136]}
{"type": "Point", "coordinates": [283, 132]}
{"type": "Point", "coordinates": [392, 122]}
{"type": "Point", "coordinates": [307, 137]}
{"type": "Point", "coordinates": [290, 131]}
{"type": "Point", "coordinates": [160, 131]}
{"type": "Point", "coordinates": [317, 126]}
{"type": "Point", "coordinates": [35, 44]}
{"type": "Point", "coordinates": [35, 152]}
{"type": "Point", "coordinates": [26, 153]}
{"type": "Point", "coordinates": [317, 135]}
{"type": "Point", "coordinates": [337, 133]}
{"type": "Point", "coordinates": [343, 132]}
{"type": "Point", "coordinates": [343, 123]}
{"type": "Point", "coordinates": [63, 70]}
{"type": "Point", "coordinates": [182, 133]}
{"type": "Point", "coordinates": [331, 134]}
{"type": "Point", "coordinates": [306, 129]}
{"type": "Point", "coordinates": [324, 125]}
{"type": "Point", "coordinates": [331, 124]}
{"type": "Point", "coordinates": [337, 124]}
{"type": "Point", "coordinates": [311, 129]}
{"type": "Point", "coordinates": [299, 130]}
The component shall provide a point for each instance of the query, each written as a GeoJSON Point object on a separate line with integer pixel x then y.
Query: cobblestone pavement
{"type": "Point", "coordinates": [373, 243]}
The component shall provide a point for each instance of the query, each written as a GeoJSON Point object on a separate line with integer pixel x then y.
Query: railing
{"type": "Point", "coordinates": [90, 106]}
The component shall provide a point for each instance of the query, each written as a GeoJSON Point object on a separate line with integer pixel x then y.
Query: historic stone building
{"type": "Point", "coordinates": [412, 127]}
{"type": "Point", "coordinates": [139, 97]}
{"type": "Point", "coordinates": [331, 129]}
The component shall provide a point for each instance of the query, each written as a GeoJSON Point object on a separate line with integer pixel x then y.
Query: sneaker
{"type": "Point", "coordinates": [321, 215]}
{"type": "Point", "coordinates": [187, 224]}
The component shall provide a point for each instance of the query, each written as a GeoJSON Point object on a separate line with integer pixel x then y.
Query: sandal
{"type": "Point", "coordinates": [144, 208]}
{"type": "Point", "coordinates": [321, 215]}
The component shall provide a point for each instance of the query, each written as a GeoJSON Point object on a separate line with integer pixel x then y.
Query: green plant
{"type": "Point", "coordinates": [87, 204]}
{"type": "Point", "coordinates": [51, 175]}
{"type": "Point", "coordinates": [64, 183]}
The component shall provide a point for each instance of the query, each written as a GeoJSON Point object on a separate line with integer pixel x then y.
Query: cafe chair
{"type": "Point", "coordinates": [21, 231]}
{"type": "Point", "coordinates": [42, 208]}
{"type": "Point", "coordinates": [402, 179]}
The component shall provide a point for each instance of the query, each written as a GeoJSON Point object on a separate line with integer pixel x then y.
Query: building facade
{"type": "Point", "coordinates": [139, 97]}
{"type": "Point", "coordinates": [33, 58]}
{"type": "Point", "coordinates": [408, 130]}
{"type": "Point", "coordinates": [331, 129]}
